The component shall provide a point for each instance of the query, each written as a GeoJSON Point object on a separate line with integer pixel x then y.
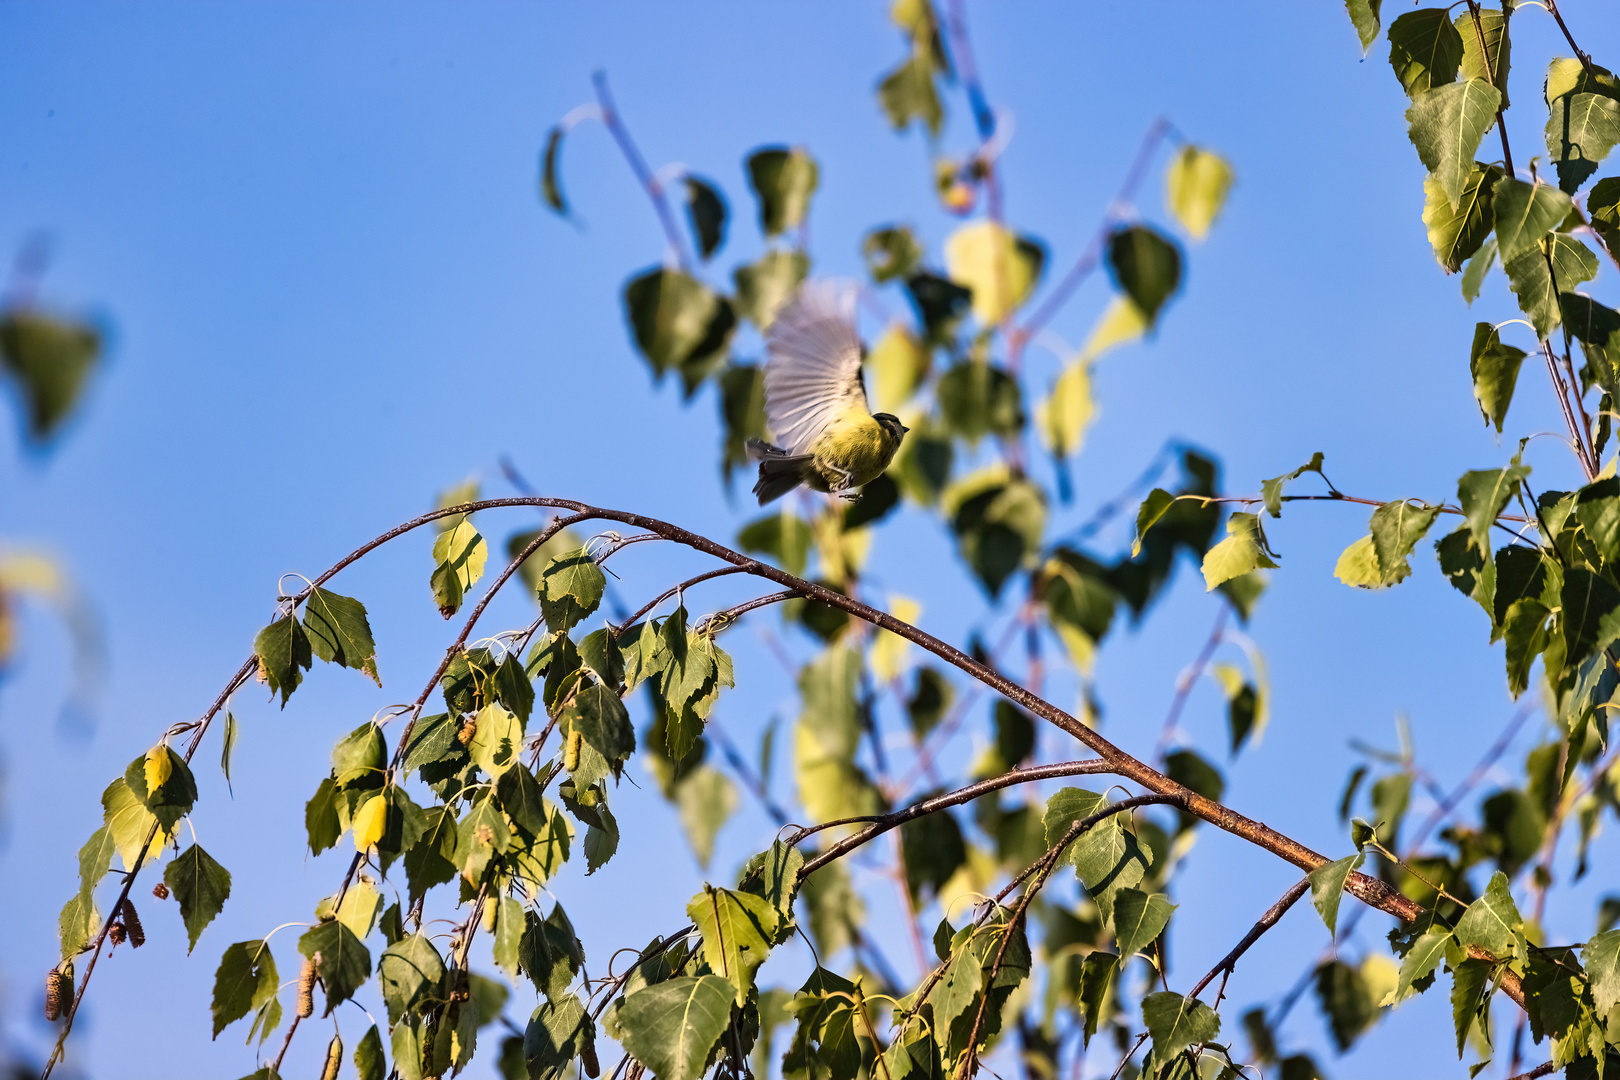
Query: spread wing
{"type": "Point", "coordinates": [812, 364]}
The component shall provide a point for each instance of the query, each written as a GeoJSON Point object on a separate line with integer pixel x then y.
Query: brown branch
{"type": "Point", "coordinates": [681, 588]}
{"type": "Point", "coordinates": [1274, 913]}
{"type": "Point", "coordinates": [1491, 76]}
{"type": "Point", "coordinates": [1585, 59]}
{"type": "Point", "coordinates": [1546, 1068]}
{"type": "Point", "coordinates": [881, 824]}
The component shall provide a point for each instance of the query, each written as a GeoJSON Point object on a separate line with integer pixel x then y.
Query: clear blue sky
{"type": "Point", "coordinates": [315, 231]}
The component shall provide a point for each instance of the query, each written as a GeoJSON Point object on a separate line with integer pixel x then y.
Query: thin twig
{"type": "Point", "coordinates": [1493, 78]}
{"type": "Point", "coordinates": [1586, 60]}
{"type": "Point", "coordinates": [631, 620]}
{"type": "Point", "coordinates": [1189, 678]}
{"type": "Point", "coordinates": [1273, 914]}
{"type": "Point", "coordinates": [638, 165]}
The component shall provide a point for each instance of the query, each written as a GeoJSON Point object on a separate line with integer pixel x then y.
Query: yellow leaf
{"type": "Point", "coordinates": [1195, 188]}
{"type": "Point", "coordinates": [158, 768]}
{"type": "Point", "coordinates": [889, 650]}
{"type": "Point", "coordinates": [1358, 566]}
{"type": "Point", "coordinates": [369, 822]}
{"type": "Point", "coordinates": [1082, 650]}
{"type": "Point", "coordinates": [1122, 322]}
{"type": "Point", "coordinates": [984, 256]}
{"type": "Point", "coordinates": [1063, 418]}
{"type": "Point", "coordinates": [464, 549]}
{"type": "Point", "coordinates": [497, 740]}
{"type": "Point", "coordinates": [899, 363]}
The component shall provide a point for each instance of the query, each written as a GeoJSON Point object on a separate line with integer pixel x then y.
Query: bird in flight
{"type": "Point", "coordinates": [827, 437]}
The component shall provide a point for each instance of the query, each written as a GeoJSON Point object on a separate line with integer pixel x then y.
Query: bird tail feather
{"type": "Point", "coordinates": [779, 471]}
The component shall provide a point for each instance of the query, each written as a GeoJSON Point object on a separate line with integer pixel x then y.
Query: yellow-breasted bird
{"type": "Point", "coordinates": [815, 400]}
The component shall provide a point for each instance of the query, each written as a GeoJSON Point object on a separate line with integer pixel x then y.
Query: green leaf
{"type": "Point", "coordinates": [742, 410]}
{"type": "Point", "coordinates": [679, 324]}
{"type": "Point", "coordinates": [1097, 973]}
{"type": "Point", "coordinates": [737, 930]}
{"type": "Point", "coordinates": [1524, 214]}
{"type": "Point", "coordinates": [520, 797]}
{"type": "Point", "coordinates": [1457, 228]}
{"type": "Point", "coordinates": [1471, 981]}
{"type": "Point", "coordinates": [1364, 17]}
{"type": "Point", "coordinates": [763, 287]}
{"type": "Point", "coordinates": [339, 632]}
{"type": "Point", "coordinates": [1586, 600]}
{"type": "Point", "coordinates": [1484, 494]}
{"type": "Point", "coordinates": [571, 589]}
{"type": "Point", "coordinates": [284, 655]}
{"type": "Point", "coordinates": [1421, 960]}
{"type": "Point", "coordinates": [246, 980]}
{"type": "Point", "coordinates": [1396, 529]}
{"type": "Point", "coordinates": [1491, 64]}
{"type": "Point", "coordinates": [369, 1062]}
{"type": "Point", "coordinates": [1479, 265]}
{"type": "Point", "coordinates": [1470, 572]}
{"type": "Point", "coordinates": [557, 1033]}
{"type": "Point", "coordinates": [907, 93]}
{"type": "Point", "coordinates": [497, 740]}
{"type": "Point", "coordinates": [459, 554]}
{"type": "Point", "coordinates": [891, 252]}
{"type": "Point", "coordinates": [1176, 1022]}
{"type": "Point", "coordinates": [1598, 329]}
{"type": "Point", "coordinates": [549, 952]}
{"type": "Point", "coordinates": [997, 266]}
{"type": "Point", "coordinates": [705, 799]}
{"type": "Point", "coordinates": [550, 182]}
{"type": "Point", "coordinates": [1495, 370]}
{"type": "Point", "coordinates": [360, 758]}
{"type": "Point", "coordinates": [174, 797]}
{"type": "Point", "coordinates": [774, 875]}
{"type": "Point", "coordinates": [1327, 888]}
{"type": "Point", "coordinates": [1196, 186]}
{"type": "Point", "coordinates": [783, 536]}
{"type": "Point", "coordinates": [431, 860]}
{"type": "Point", "coordinates": [1581, 131]}
{"type": "Point", "coordinates": [1492, 922]}
{"type": "Point", "coordinates": [1139, 918]}
{"type": "Point", "coordinates": [1601, 956]}
{"type": "Point", "coordinates": [1106, 858]}
{"type": "Point", "coordinates": [706, 213]}
{"type": "Point", "coordinates": [340, 960]}
{"type": "Point", "coordinates": [1152, 509]}
{"type": "Point", "coordinates": [1345, 998]}
{"type": "Point", "coordinates": [1270, 490]}
{"type": "Point", "coordinates": [933, 849]}
{"type": "Point", "coordinates": [1525, 631]}
{"type": "Point", "coordinates": [321, 818]}
{"type": "Point", "coordinates": [1424, 49]}
{"type": "Point", "coordinates": [1603, 212]}
{"type": "Point", "coordinates": [1446, 125]}
{"type": "Point", "coordinates": [671, 1026]}
{"type": "Point", "coordinates": [1243, 550]}
{"type": "Point", "coordinates": [1146, 266]}
{"type": "Point", "coordinates": [783, 180]}
{"type": "Point", "coordinates": [408, 974]}
{"type": "Point", "coordinates": [228, 744]}
{"type": "Point", "coordinates": [77, 924]}
{"type": "Point", "coordinates": [1537, 285]}
{"type": "Point", "coordinates": [1553, 993]}
{"type": "Point", "coordinates": [200, 885]}
{"type": "Point", "coordinates": [978, 399]}
{"type": "Point", "coordinates": [50, 357]}
{"type": "Point", "coordinates": [602, 721]}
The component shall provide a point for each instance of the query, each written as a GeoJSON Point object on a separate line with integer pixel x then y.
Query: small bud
{"type": "Point", "coordinates": [161, 891]}
{"type": "Point", "coordinates": [132, 923]}
{"type": "Point", "coordinates": [58, 993]}
{"type": "Point", "coordinates": [118, 934]}
{"type": "Point", "coordinates": [306, 989]}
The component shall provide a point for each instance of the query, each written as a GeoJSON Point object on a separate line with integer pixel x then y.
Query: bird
{"type": "Point", "coordinates": [827, 437]}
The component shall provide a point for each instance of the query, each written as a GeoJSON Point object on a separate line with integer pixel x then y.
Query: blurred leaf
{"type": "Point", "coordinates": [1063, 417]}
{"type": "Point", "coordinates": [1196, 187]}
{"type": "Point", "coordinates": [1603, 210]}
{"type": "Point", "coordinates": [1345, 999]}
{"type": "Point", "coordinates": [1146, 266]}
{"type": "Point", "coordinates": [550, 178]}
{"type": "Point", "coordinates": [742, 411]}
{"type": "Point", "coordinates": [977, 399]}
{"type": "Point", "coordinates": [705, 799]}
{"type": "Point", "coordinates": [1424, 49]}
{"type": "Point", "coordinates": [907, 93]}
{"type": "Point", "coordinates": [1122, 321]}
{"type": "Point", "coordinates": [1446, 125]}
{"type": "Point", "coordinates": [1000, 269]}
{"type": "Point", "coordinates": [706, 213]}
{"type": "Point", "coordinates": [783, 180]}
{"type": "Point", "coordinates": [785, 537]}
{"type": "Point", "coordinates": [679, 324]}
{"type": "Point", "coordinates": [998, 522]}
{"type": "Point", "coordinates": [562, 540]}
{"type": "Point", "coordinates": [891, 252]}
{"type": "Point", "coordinates": [888, 653]}
{"type": "Point", "coordinates": [50, 357]}
{"type": "Point", "coordinates": [1479, 264]}
{"type": "Point", "coordinates": [1243, 550]}
{"type": "Point", "coordinates": [763, 287]}
{"type": "Point", "coordinates": [1581, 131]}
{"type": "Point", "coordinates": [836, 910]}
{"type": "Point", "coordinates": [933, 851]}
{"type": "Point", "coordinates": [1495, 369]}
{"type": "Point", "coordinates": [941, 305]}
{"type": "Point", "coordinates": [1457, 229]}
{"type": "Point", "coordinates": [899, 363]}
{"type": "Point", "coordinates": [928, 701]}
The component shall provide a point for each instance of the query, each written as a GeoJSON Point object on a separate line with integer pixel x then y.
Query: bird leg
{"type": "Point", "coordinates": [840, 486]}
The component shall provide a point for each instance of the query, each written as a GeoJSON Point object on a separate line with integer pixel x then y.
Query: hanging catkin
{"type": "Point", "coordinates": [306, 988]}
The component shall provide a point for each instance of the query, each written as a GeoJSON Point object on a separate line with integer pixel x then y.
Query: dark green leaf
{"type": "Point", "coordinates": [550, 184]}
{"type": "Point", "coordinates": [706, 213]}
{"type": "Point", "coordinates": [783, 536]}
{"type": "Point", "coordinates": [1538, 277]}
{"type": "Point", "coordinates": [1586, 599]}
{"type": "Point", "coordinates": [284, 655]}
{"type": "Point", "coordinates": [1484, 494]}
{"type": "Point", "coordinates": [1603, 211]}
{"type": "Point", "coordinates": [339, 632]}
{"type": "Point", "coordinates": [1345, 1000]}
{"type": "Point", "coordinates": [321, 818]}
{"type": "Point", "coordinates": [1396, 529]}
{"type": "Point", "coordinates": [978, 399]}
{"type": "Point", "coordinates": [1364, 17]}
{"type": "Point", "coordinates": [679, 324]}
{"type": "Point", "coordinates": [1495, 370]}
{"type": "Point", "coordinates": [1327, 888]}
{"type": "Point", "coordinates": [570, 589]}
{"type": "Point", "coordinates": [1493, 62]}
{"type": "Point", "coordinates": [1473, 278]}
{"type": "Point", "coordinates": [520, 797]}
{"type": "Point", "coordinates": [705, 799]}
{"type": "Point", "coordinates": [1176, 1022]}
{"type": "Point", "coordinates": [934, 851]}
{"type": "Point", "coordinates": [1139, 918]}
{"type": "Point", "coordinates": [940, 303]}
{"type": "Point", "coordinates": [409, 974]}
{"type": "Point", "coordinates": [1602, 958]}
{"type": "Point", "coordinates": [360, 758]}
{"type": "Point", "coordinates": [783, 180]}
{"type": "Point", "coordinates": [601, 719]}
{"type": "Point", "coordinates": [1146, 266]}
{"type": "Point", "coordinates": [1525, 213]}
{"type": "Point", "coordinates": [369, 1062]}
{"type": "Point", "coordinates": [340, 960]}
{"type": "Point", "coordinates": [1552, 993]}
{"type": "Point", "coordinates": [1271, 490]}
{"type": "Point", "coordinates": [1470, 572]}
{"type": "Point", "coordinates": [549, 953]}
{"type": "Point", "coordinates": [557, 1033]}
{"type": "Point", "coordinates": [1458, 228]}
{"type": "Point", "coordinates": [200, 885]}
{"type": "Point", "coordinates": [929, 699]}
{"type": "Point", "coordinates": [246, 979]}
{"type": "Point", "coordinates": [1470, 986]}
{"type": "Point", "coordinates": [892, 252]}
{"type": "Point", "coordinates": [174, 797]}
{"type": "Point", "coordinates": [1420, 961]}
{"type": "Point", "coordinates": [1424, 49]}
{"type": "Point", "coordinates": [742, 410]}
{"type": "Point", "coordinates": [907, 93]}
{"type": "Point", "coordinates": [1581, 131]}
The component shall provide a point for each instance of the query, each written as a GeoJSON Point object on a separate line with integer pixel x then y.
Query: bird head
{"type": "Point", "coordinates": [891, 425]}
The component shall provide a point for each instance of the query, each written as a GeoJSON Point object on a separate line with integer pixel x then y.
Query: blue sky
{"type": "Point", "coordinates": [333, 292]}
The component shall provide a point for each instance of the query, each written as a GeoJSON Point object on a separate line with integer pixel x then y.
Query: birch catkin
{"type": "Point", "coordinates": [306, 988]}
